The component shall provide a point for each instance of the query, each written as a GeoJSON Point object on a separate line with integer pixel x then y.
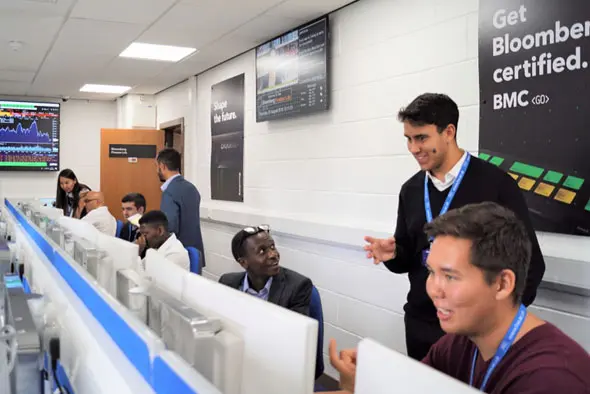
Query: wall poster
{"type": "Point", "coordinates": [534, 122]}
{"type": "Point", "coordinates": [227, 137]}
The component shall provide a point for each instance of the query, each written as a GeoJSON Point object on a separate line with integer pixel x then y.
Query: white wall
{"type": "Point", "coordinates": [81, 122]}
{"type": "Point", "coordinates": [324, 181]}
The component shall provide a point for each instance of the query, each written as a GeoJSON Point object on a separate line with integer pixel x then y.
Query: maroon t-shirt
{"type": "Point", "coordinates": [544, 361]}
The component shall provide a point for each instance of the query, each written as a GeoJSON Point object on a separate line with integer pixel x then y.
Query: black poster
{"type": "Point", "coordinates": [227, 138]}
{"type": "Point", "coordinates": [534, 122]}
{"type": "Point", "coordinates": [138, 151]}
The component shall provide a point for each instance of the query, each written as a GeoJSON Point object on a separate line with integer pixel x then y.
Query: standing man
{"type": "Point", "coordinates": [449, 178]}
{"type": "Point", "coordinates": [181, 201]}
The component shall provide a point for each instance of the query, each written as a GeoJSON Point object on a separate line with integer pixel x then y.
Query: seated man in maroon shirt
{"type": "Point", "coordinates": [477, 273]}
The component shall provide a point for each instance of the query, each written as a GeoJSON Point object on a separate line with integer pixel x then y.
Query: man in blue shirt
{"type": "Point", "coordinates": [254, 249]}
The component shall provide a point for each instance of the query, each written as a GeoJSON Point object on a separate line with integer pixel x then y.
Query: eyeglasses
{"type": "Point", "coordinates": [257, 229]}
{"type": "Point", "coordinates": [253, 231]}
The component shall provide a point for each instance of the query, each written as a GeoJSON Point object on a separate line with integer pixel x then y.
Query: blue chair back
{"type": "Point", "coordinates": [195, 258]}
{"type": "Point", "coordinates": [119, 228]}
{"type": "Point", "coordinates": [316, 312]}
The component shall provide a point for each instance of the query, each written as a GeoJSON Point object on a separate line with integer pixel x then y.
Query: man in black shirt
{"type": "Point", "coordinates": [449, 178]}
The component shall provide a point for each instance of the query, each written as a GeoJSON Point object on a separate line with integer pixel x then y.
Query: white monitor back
{"type": "Point", "coordinates": [279, 345]}
{"type": "Point", "coordinates": [80, 228]}
{"type": "Point", "coordinates": [381, 370]}
{"type": "Point", "coordinates": [122, 255]}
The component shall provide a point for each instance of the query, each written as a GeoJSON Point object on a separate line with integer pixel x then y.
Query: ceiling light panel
{"type": "Point", "coordinates": [112, 89]}
{"type": "Point", "coordinates": [165, 53]}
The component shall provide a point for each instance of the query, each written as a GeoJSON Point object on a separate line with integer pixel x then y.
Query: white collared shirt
{"type": "Point", "coordinates": [449, 176]}
{"type": "Point", "coordinates": [174, 251]}
{"type": "Point", "coordinates": [102, 219]}
{"type": "Point", "coordinates": [167, 183]}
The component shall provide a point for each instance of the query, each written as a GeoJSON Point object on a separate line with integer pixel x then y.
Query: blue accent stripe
{"type": "Point", "coordinates": [134, 348]}
{"type": "Point", "coordinates": [166, 381]}
{"type": "Point", "coordinates": [26, 287]}
{"type": "Point", "coordinates": [130, 343]}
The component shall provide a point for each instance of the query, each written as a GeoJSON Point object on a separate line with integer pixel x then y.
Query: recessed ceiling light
{"type": "Point", "coordinates": [113, 89]}
{"type": "Point", "coordinates": [164, 53]}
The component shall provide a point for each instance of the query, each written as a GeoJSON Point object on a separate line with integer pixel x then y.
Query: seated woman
{"type": "Point", "coordinates": [68, 192]}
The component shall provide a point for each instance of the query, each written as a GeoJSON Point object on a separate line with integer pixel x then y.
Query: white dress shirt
{"type": "Point", "coordinates": [449, 176]}
{"type": "Point", "coordinates": [174, 251]}
{"type": "Point", "coordinates": [102, 219]}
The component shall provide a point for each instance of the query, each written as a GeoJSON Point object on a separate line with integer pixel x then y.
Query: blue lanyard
{"type": "Point", "coordinates": [502, 349]}
{"type": "Point", "coordinates": [451, 194]}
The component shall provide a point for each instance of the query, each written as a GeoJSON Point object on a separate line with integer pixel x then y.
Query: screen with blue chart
{"type": "Point", "coordinates": [29, 136]}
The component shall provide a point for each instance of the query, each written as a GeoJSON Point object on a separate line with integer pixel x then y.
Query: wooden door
{"type": "Point", "coordinates": [122, 173]}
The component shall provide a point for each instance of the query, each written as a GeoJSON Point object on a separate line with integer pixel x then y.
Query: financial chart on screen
{"type": "Point", "coordinates": [29, 136]}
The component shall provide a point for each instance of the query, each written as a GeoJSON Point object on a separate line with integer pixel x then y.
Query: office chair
{"type": "Point", "coordinates": [316, 312]}
{"type": "Point", "coordinates": [194, 256]}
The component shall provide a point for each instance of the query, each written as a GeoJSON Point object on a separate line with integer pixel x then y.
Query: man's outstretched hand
{"type": "Point", "coordinates": [380, 249]}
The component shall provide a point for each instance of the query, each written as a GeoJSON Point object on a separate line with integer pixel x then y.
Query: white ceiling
{"type": "Point", "coordinates": [68, 43]}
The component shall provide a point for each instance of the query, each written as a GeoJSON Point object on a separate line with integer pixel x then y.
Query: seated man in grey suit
{"type": "Point", "coordinates": [254, 249]}
{"type": "Point", "coordinates": [181, 201]}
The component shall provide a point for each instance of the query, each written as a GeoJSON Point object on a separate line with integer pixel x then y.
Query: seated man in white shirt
{"type": "Point", "coordinates": [98, 214]}
{"type": "Point", "coordinates": [153, 227]}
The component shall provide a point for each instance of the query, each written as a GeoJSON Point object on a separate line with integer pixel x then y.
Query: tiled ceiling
{"type": "Point", "coordinates": [65, 44]}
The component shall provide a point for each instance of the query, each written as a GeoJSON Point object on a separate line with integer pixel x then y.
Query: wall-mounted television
{"type": "Point", "coordinates": [292, 73]}
{"type": "Point", "coordinates": [29, 136]}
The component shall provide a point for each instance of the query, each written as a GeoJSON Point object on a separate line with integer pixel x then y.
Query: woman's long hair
{"type": "Point", "coordinates": [61, 198]}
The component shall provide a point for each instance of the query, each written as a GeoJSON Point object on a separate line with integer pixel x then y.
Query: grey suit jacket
{"type": "Point", "coordinates": [289, 289]}
{"type": "Point", "coordinates": [181, 202]}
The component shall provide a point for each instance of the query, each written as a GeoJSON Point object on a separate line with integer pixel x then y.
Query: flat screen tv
{"type": "Point", "coordinates": [292, 73]}
{"type": "Point", "coordinates": [29, 136]}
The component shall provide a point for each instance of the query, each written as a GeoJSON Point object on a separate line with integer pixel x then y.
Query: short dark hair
{"type": "Point", "coordinates": [431, 109]}
{"type": "Point", "coordinates": [170, 158]}
{"type": "Point", "coordinates": [136, 198]}
{"type": "Point", "coordinates": [238, 249]}
{"type": "Point", "coordinates": [499, 240]}
{"type": "Point", "coordinates": [238, 242]}
{"type": "Point", "coordinates": [155, 219]}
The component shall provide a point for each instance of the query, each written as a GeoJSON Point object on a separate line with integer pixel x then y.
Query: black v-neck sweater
{"type": "Point", "coordinates": [482, 182]}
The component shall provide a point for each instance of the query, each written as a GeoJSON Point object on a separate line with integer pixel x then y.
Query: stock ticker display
{"type": "Point", "coordinates": [292, 73]}
{"type": "Point", "coordinates": [29, 136]}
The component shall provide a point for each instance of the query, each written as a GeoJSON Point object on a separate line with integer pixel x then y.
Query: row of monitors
{"type": "Point", "coordinates": [547, 183]}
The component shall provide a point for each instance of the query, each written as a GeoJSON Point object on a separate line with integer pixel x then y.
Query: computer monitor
{"type": "Point", "coordinates": [381, 370]}
{"type": "Point", "coordinates": [279, 345]}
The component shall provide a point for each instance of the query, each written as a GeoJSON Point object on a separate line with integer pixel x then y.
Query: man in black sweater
{"type": "Point", "coordinates": [449, 178]}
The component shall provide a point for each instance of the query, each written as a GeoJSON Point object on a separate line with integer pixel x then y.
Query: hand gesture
{"type": "Point", "coordinates": [140, 241]}
{"type": "Point", "coordinates": [380, 249]}
{"type": "Point", "coordinates": [345, 364]}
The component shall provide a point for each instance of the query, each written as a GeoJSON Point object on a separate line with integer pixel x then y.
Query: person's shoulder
{"type": "Point", "coordinates": [555, 347]}
{"type": "Point", "coordinates": [487, 169]}
{"type": "Point", "coordinates": [185, 185]}
{"type": "Point", "coordinates": [294, 276]}
{"type": "Point", "coordinates": [232, 279]}
{"type": "Point", "coordinates": [415, 181]}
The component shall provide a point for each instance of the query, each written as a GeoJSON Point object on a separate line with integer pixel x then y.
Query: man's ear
{"type": "Point", "coordinates": [505, 284]}
{"type": "Point", "coordinates": [450, 132]}
{"type": "Point", "coordinates": [242, 261]}
{"type": "Point", "coordinates": [141, 210]}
